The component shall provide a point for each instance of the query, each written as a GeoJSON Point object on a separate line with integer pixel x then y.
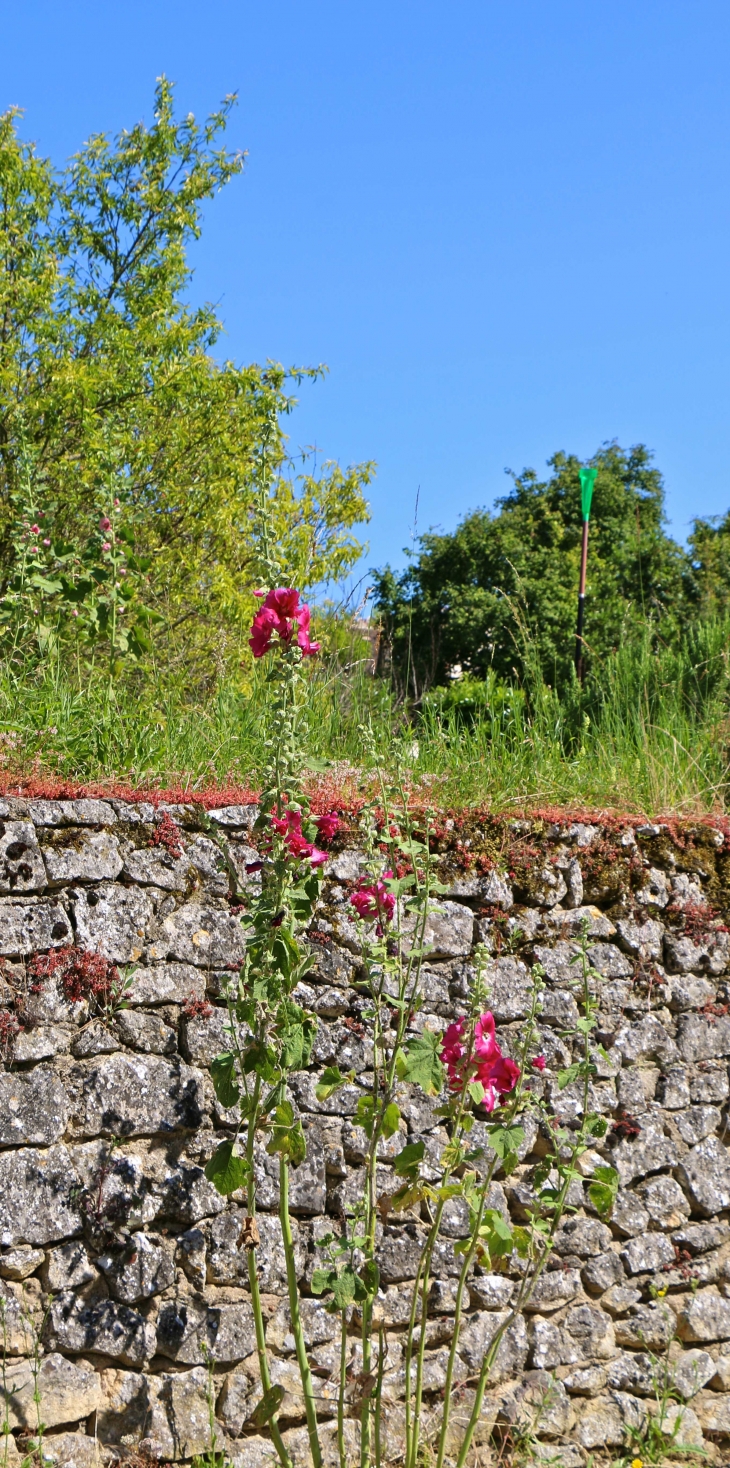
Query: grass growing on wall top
{"type": "Point", "coordinates": [652, 738]}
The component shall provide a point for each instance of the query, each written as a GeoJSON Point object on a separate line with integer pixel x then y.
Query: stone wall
{"type": "Point", "coordinates": [115, 1247]}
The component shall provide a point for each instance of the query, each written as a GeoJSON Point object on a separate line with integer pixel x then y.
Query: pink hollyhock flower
{"type": "Point", "coordinates": [327, 825]}
{"type": "Point", "coordinates": [106, 545]}
{"type": "Point", "coordinates": [372, 899]}
{"type": "Point", "coordinates": [105, 523]}
{"type": "Point", "coordinates": [281, 614]}
{"type": "Point", "coordinates": [290, 827]}
{"type": "Point", "coordinates": [284, 601]}
{"type": "Point", "coordinates": [539, 1062]}
{"type": "Point", "coordinates": [46, 542]}
{"type": "Point", "coordinates": [485, 1037]}
{"type": "Point", "coordinates": [262, 631]}
{"type": "Point", "coordinates": [452, 1044]}
{"type": "Point", "coordinates": [498, 1074]}
{"type": "Point", "coordinates": [36, 529]}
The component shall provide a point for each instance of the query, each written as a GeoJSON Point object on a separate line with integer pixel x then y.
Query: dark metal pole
{"type": "Point", "coordinates": [581, 604]}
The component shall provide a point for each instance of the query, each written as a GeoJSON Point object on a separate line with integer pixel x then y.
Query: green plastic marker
{"type": "Point", "coordinates": [587, 481]}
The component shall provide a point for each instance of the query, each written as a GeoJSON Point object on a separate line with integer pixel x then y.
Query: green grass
{"type": "Point", "coordinates": [652, 737]}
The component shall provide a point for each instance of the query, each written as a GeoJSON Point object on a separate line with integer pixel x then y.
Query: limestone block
{"type": "Point", "coordinates": [134, 1095]}
{"type": "Point", "coordinates": [609, 961]}
{"type": "Point", "coordinates": [79, 1320]}
{"type": "Point", "coordinates": [70, 1390]}
{"type": "Point", "coordinates": [71, 1450]}
{"type": "Point", "coordinates": [643, 940]}
{"type": "Point", "coordinates": [448, 931]}
{"type": "Point", "coordinates": [705, 1316]}
{"type": "Point", "coordinates": [153, 866]}
{"type": "Point", "coordinates": [698, 1122]}
{"type": "Point", "coordinates": [82, 812]}
{"type": "Point", "coordinates": [571, 924]}
{"type": "Point", "coordinates": [238, 817]}
{"type": "Point", "coordinates": [34, 1108]}
{"type": "Point", "coordinates": [477, 1335]}
{"type": "Point", "coordinates": [37, 1202]}
{"type": "Point", "coordinates": [144, 1268]}
{"type": "Point", "coordinates": [21, 863]}
{"type": "Point", "coordinates": [207, 937]}
{"type": "Point", "coordinates": [647, 1327]}
{"type": "Point", "coordinates": [114, 921]}
{"type": "Point", "coordinates": [553, 1290]}
{"type": "Point", "coordinates": [683, 956]}
{"type": "Point", "coordinates": [20, 1262]}
{"type": "Point", "coordinates": [32, 927]}
{"type": "Point", "coordinates": [188, 1328]}
{"type": "Point", "coordinates": [582, 1236]}
{"type": "Point", "coordinates": [145, 1032]}
{"type": "Point", "coordinates": [510, 988]}
{"type": "Point", "coordinates": [705, 1173]}
{"type": "Point", "coordinates": [539, 1404]}
{"type": "Point", "coordinates": [68, 1267]}
{"type": "Point", "coordinates": [664, 1201]}
{"type": "Point", "coordinates": [709, 1083]}
{"type": "Point", "coordinates": [647, 1254]}
{"type": "Point", "coordinates": [165, 983]}
{"type": "Point", "coordinates": [701, 1038]}
{"type": "Point", "coordinates": [43, 1042]}
{"type": "Point", "coordinates": [82, 855]}
{"type": "Point", "coordinates": [699, 1237]}
{"type": "Point", "coordinates": [602, 1271]}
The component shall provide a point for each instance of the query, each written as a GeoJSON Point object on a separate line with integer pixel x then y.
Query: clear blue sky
{"type": "Point", "coordinates": [503, 224]}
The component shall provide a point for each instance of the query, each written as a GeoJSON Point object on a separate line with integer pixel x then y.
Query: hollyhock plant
{"type": "Point", "coordinates": [282, 614]}
{"type": "Point", "coordinates": [290, 827]}
{"type": "Point", "coordinates": [327, 825]}
{"type": "Point", "coordinates": [539, 1062]}
{"type": "Point", "coordinates": [496, 1072]}
{"type": "Point", "coordinates": [372, 899]}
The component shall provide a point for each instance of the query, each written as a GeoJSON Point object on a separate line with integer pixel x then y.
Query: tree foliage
{"type": "Point", "coordinates": [109, 388]}
{"type": "Point", "coordinates": [500, 592]}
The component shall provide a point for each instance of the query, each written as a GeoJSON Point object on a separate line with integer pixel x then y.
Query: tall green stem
{"type": "Point", "coordinates": [296, 1319]}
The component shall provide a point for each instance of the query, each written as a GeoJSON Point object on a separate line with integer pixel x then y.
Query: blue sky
{"type": "Point", "coordinates": [503, 224]}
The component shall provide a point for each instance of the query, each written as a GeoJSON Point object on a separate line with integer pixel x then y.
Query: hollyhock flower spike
{"type": "Point", "coordinates": [281, 614]}
{"type": "Point", "coordinates": [105, 523]}
{"type": "Point", "coordinates": [372, 899]}
{"type": "Point", "coordinates": [496, 1072]}
{"type": "Point", "coordinates": [327, 825]}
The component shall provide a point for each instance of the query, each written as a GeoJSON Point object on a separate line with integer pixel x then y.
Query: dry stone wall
{"type": "Point", "coordinates": [121, 1260]}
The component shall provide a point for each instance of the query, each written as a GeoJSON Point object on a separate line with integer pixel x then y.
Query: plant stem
{"type": "Point", "coordinates": [341, 1392]}
{"type": "Point", "coordinates": [253, 1280]}
{"type": "Point", "coordinates": [296, 1320]}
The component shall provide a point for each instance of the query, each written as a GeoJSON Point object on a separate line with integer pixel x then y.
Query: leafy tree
{"type": "Point", "coordinates": [710, 557]}
{"type": "Point", "coordinates": [110, 390]}
{"type": "Point", "coordinates": [500, 592]}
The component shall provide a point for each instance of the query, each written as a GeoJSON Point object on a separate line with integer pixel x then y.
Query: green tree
{"type": "Point", "coordinates": [710, 557]}
{"type": "Point", "coordinates": [500, 592]}
{"type": "Point", "coordinates": [109, 387]}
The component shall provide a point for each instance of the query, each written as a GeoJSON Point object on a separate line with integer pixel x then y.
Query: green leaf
{"type": "Point", "coordinates": [566, 1077]}
{"type": "Point", "coordinates": [223, 1075]}
{"type": "Point", "coordinates": [603, 1189]}
{"type": "Point", "coordinates": [406, 1164]}
{"type": "Point", "coordinates": [391, 1118]}
{"type": "Point", "coordinates": [266, 1408]}
{"type": "Point", "coordinates": [330, 1081]}
{"type": "Point", "coordinates": [365, 1114]}
{"type": "Point", "coordinates": [287, 1137]}
{"type": "Point", "coordinates": [505, 1139]}
{"type": "Point", "coordinates": [422, 1063]}
{"type": "Point", "coordinates": [225, 1170]}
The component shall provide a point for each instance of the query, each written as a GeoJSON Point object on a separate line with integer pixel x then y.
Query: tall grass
{"type": "Point", "coordinates": [651, 735]}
